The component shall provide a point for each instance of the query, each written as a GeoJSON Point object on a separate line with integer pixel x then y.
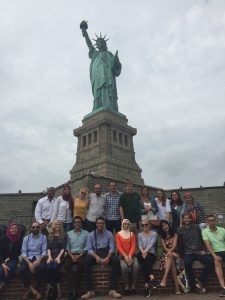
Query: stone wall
{"type": "Point", "coordinates": [15, 205]}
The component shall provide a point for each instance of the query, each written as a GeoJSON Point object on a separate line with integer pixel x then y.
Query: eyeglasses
{"type": "Point", "coordinates": [100, 223]}
{"type": "Point", "coordinates": [144, 225]}
{"type": "Point", "coordinates": [33, 227]}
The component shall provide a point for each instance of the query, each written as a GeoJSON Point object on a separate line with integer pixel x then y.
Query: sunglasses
{"type": "Point", "coordinates": [144, 225]}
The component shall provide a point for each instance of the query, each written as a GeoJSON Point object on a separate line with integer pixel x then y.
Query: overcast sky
{"type": "Point", "coordinates": [171, 88]}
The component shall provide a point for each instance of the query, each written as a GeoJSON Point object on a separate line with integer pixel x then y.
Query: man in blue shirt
{"type": "Point", "coordinates": [34, 251]}
{"type": "Point", "coordinates": [101, 247]}
{"type": "Point", "coordinates": [76, 242]}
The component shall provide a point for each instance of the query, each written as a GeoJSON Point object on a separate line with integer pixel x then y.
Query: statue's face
{"type": "Point", "coordinates": [101, 44]}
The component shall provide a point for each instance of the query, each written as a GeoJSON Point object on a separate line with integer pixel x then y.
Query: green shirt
{"type": "Point", "coordinates": [76, 242]}
{"type": "Point", "coordinates": [215, 238]}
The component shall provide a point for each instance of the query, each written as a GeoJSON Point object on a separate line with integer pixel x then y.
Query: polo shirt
{"type": "Point", "coordinates": [215, 238]}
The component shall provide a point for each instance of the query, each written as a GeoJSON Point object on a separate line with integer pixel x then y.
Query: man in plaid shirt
{"type": "Point", "coordinates": [112, 214]}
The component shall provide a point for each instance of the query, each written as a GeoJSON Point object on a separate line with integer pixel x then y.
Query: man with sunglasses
{"type": "Point", "coordinates": [101, 247]}
{"type": "Point", "coordinates": [76, 242]}
{"type": "Point", "coordinates": [34, 251]}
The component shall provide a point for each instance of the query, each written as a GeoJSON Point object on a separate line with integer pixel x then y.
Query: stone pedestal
{"type": "Point", "coordinates": [105, 148]}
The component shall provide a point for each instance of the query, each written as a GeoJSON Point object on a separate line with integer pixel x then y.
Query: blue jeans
{"type": "Point", "coordinates": [205, 259]}
{"type": "Point", "coordinates": [12, 263]}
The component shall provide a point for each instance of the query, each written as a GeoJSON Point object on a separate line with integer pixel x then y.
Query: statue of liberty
{"type": "Point", "coordinates": [104, 69]}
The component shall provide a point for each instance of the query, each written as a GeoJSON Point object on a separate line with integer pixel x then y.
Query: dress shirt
{"type": "Point", "coordinates": [103, 240]}
{"type": "Point", "coordinates": [96, 207]}
{"type": "Point", "coordinates": [34, 245]}
{"type": "Point", "coordinates": [191, 238]}
{"type": "Point", "coordinates": [76, 241]}
{"type": "Point", "coordinates": [44, 209]}
{"type": "Point", "coordinates": [62, 211]}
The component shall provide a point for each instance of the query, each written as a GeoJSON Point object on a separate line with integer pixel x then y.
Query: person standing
{"type": "Point", "coordinates": [192, 246]}
{"type": "Point", "coordinates": [214, 239]}
{"type": "Point", "coordinates": [196, 209]}
{"type": "Point", "coordinates": [96, 207]}
{"type": "Point", "coordinates": [176, 209]}
{"type": "Point", "coordinates": [130, 207]}
{"type": "Point", "coordinates": [76, 243]}
{"type": "Point", "coordinates": [44, 210]}
{"type": "Point", "coordinates": [112, 214]}
{"type": "Point", "coordinates": [101, 247]}
{"type": "Point", "coordinates": [164, 209]}
{"type": "Point", "coordinates": [80, 205]}
{"type": "Point", "coordinates": [34, 251]}
{"type": "Point", "coordinates": [63, 209]}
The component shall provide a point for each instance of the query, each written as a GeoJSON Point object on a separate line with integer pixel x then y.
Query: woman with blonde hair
{"type": "Point", "coordinates": [126, 245]}
{"type": "Point", "coordinates": [80, 205]}
{"type": "Point", "coordinates": [56, 248]}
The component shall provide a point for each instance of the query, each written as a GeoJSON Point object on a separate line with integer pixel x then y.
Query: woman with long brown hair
{"type": "Point", "coordinates": [164, 212]}
{"type": "Point", "coordinates": [63, 209]}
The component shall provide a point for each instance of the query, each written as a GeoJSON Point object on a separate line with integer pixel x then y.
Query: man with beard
{"type": "Point", "coordinates": [96, 207]}
{"type": "Point", "coordinates": [34, 251]}
{"type": "Point", "coordinates": [190, 239]}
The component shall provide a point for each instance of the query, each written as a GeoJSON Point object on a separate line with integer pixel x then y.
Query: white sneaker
{"type": "Point", "coordinates": [88, 295]}
{"type": "Point", "coordinates": [114, 294]}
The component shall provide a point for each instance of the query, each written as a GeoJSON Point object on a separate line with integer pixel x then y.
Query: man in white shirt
{"type": "Point", "coordinates": [96, 207]}
{"type": "Point", "coordinates": [44, 209]}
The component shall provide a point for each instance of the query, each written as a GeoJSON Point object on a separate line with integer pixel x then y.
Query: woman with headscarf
{"type": "Point", "coordinates": [56, 250]}
{"type": "Point", "coordinates": [63, 209]}
{"type": "Point", "coordinates": [10, 249]}
{"type": "Point", "coordinates": [169, 257]}
{"type": "Point", "coordinates": [126, 245]}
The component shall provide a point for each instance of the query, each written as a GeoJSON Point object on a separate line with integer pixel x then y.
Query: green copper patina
{"type": "Point", "coordinates": [104, 69]}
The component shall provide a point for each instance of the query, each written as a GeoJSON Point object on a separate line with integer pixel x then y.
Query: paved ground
{"type": "Point", "coordinates": [191, 296]}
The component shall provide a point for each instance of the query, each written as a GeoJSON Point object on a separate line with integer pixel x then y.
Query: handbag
{"type": "Point", "coordinates": [183, 281]}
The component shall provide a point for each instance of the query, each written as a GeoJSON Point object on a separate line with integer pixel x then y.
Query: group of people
{"type": "Point", "coordinates": [104, 229]}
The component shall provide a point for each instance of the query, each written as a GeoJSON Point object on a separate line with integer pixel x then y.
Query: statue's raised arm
{"type": "Point", "coordinates": [103, 69]}
{"type": "Point", "coordinates": [84, 27]}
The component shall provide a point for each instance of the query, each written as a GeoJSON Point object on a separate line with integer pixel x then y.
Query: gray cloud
{"type": "Point", "coordinates": [171, 87]}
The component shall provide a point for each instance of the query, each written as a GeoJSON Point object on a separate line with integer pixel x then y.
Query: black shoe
{"type": "Point", "coordinates": [155, 284]}
{"type": "Point", "coordinates": [72, 295]}
{"type": "Point", "coordinates": [133, 292]}
{"type": "Point", "coordinates": [127, 292]}
{"type": "Point", "coordinates": [222, 293]}
{"type": "Point", "coordinates": [147, 293]}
